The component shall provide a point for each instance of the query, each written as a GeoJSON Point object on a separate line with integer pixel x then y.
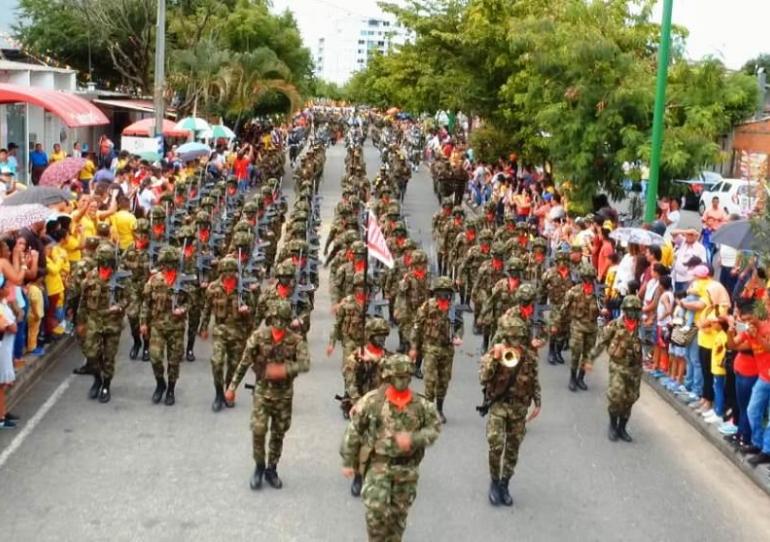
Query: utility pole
{"type": "Point", "coordinates": [160, 66]}
{"type": "Point", "coordinates": [660, 111]}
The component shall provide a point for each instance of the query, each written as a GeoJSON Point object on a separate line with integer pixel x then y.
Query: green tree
{"type": "Point", "coordinates": [761, 61]}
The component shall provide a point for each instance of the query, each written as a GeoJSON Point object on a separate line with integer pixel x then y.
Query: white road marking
{"type": "Point", "coordinates": [35, 420]}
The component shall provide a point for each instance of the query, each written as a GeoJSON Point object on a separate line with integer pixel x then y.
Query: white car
{"type": "Point", "coordinates": [736, 196]}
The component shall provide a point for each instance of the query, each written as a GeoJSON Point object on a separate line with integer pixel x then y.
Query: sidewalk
{"type": "Point", "coordinates": [34, 367]}
{"type": "Point", "coordinates": [759, 475]}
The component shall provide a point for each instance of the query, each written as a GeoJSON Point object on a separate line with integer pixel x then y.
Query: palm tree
{"type": "Point", "coordinates": [196, 73]}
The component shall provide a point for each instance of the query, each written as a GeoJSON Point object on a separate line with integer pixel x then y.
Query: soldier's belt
{"type": "Point", "coordinates": [402, 460]}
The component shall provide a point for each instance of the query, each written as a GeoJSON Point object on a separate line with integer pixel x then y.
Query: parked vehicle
{"type": "Point", "coordinates": [703, 181]}
{"type": "Point", "coordinates": [736, 196]}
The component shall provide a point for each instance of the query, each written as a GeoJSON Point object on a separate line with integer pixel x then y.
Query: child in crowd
{"type": "Point", "coordinates": [718, 327]}
{"type": "Point", "coordinates": [664, 310]}
{"type": "Point", "coordinates": [7, 336]}
{"type": "Point", "coordinates": [682, 323]}
{"type": "Point", "coordinates": [612, 297]}
{"type": "Point", "coordinates": [35, 316]}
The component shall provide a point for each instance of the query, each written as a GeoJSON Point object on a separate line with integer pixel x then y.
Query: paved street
{"type": "Point", "coordinates": [131, 470]}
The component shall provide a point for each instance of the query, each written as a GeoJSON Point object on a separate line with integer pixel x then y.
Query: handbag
{"type": "Point", "coordinates": [683, 335]}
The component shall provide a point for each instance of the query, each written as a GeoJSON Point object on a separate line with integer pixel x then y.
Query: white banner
{"type": "Point", "coordinates": [376, 243]}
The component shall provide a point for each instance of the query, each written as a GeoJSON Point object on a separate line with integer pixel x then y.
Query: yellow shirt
{"type": "Point", "coordinates": [71, 245]}
{"type": "Point", "coordinates": [124, 223]}
{"type": "Point", "coordinates": [57, 156]}
{"type": "Point", "coordinates": [88, 171]}
{"type": "Point", "coordinates": [54, 265]}
{"type": "Point", "coordinates": [89, 227]}
{"type": "Point", "coordinates": [667, 254]}
{"type": "Point", "coordinates": [718, 351]}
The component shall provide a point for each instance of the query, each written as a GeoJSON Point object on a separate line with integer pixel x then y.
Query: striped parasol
{"type": "Point", "coordinates": [20, 216]}
{"type": "Point", "coordinates": [62, 171]}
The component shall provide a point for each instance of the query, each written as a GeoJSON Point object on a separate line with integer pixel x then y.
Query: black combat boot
{"type": "Point", "coordinates": [622, 433]}
{"type": "Point", "coordinates": [418, 368]}
{"type": "Point", "coordinates": [190, 344]}
{"type": "Point", "coordinates": [84, 369]}
{"type": "Point", "coordinates": [219, 399]}
{"type": "Point", "coordinates": [255, 482]}
{"type": "Point", "coordinates": [93, 393]}
{"type": "Point", "coordinates": [494, 492]}
{"type": "Point", "coordinates": [612, 434]}
{"type": "Point", "coordinates": [146, 349]}
{"type": "Point", "coordinates": [440, 408]}
{"type": "Point", "coordinates": [104, 392]}
{"type": "Point", "coordinates": [559, 347]}
{"type": "Point", "coordinates": [134, 353]}
{"type": "Point", "coordinates": [580, 382]}
{"type": "Point", "coordinates": [160, 387]}
{"type": "Point", "coordinates": [170, 399]}
{"type": "Point", "coordinates": [355, 487]}
{"type": "Point", "coordinates": [505, 496]}
{"type": "Point", "coordinates": [572, 380]}
{"type": "Point", "coordinates": [271, 477]}
{"type": "Point", "coordinates": [552, 352]}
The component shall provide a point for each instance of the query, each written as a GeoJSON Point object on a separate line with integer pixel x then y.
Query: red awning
{"type": "Point", "coordinates": [146, 128]}
{"type": "Point", "coordinates": [73, 110]}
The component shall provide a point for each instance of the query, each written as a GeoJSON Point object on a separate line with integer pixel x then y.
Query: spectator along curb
{"type": "Point", "coordinates": [759, 475]}
{"type": "Point", "coordinates": [34, 368]}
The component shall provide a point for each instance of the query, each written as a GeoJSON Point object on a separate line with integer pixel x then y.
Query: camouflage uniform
{"type": "Point", "coordinates": [232, 326]}
{"type": "Point", "coordinates": [350, 319]}
{"type": "Point", "coordinates": [553, 288]}
{"type": "Point", "coordinates": [392, 277]}
{"type": "Point", "coordinates": [438, 225]}
{"type": "Point", "coordinates": [412, 293]}
{"type": "Point", "coordinates": [101, 311]}
{"type": "Point", "coordinates": [166, 328]}
{"type": "Point", "coordinates": [581, 308]}
{"type": "Point", "coordinates": [432, 337]}
{"type": "Point", "coordinates": [187, 243]}
{"type": "Point", "coordinates": [461, 244]}
{"type": "Point", "coordinates": [452, 229]}
{"type": "Point", "coordinates": [489, 274]}
{"type": "Point", "coordinates": [508, 393]}
{"type": "Point", "coordinates": [272, 398]}
{"type": "Point", "coordinates": [503, 295]}
{"type": "Point", "coordinates": [136, 260]}
{"type": "Point", "coordinates": [471, 263]}
{"type": "Point", "coordinates": [621, 339]}
{"type": "Point", "coordinates": [390, 484]}
{"type": "Point", "coordinates": [518, 245]}
{"type": "Point", "coordinates": [284, 290]}
{"type": "Point", "coordinates": [342, 282]}
{"type": "Point", "coordinates": [507, 231]}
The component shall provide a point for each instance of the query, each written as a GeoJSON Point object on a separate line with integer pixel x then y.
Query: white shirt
{"type": "Point", "coordinates": [146, 199]}
{"type": "Point", "coordinates": [727, 256]}
{"type": "Point", "coordinates": [673, 217]}
{"type": "Point", "coordinates": [683, 255]}
{"type": "Point", "coordinates": [625, 274]}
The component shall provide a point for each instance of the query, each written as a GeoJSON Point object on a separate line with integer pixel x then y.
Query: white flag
{"type": "Point", "coordinates": [376, 243]}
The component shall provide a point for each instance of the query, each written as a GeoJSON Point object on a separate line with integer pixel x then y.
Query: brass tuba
{"type": "Point", "coordinates": [510, 357]}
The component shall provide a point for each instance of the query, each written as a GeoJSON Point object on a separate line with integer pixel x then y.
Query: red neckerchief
{"type": "Point", "coordinates": [193, 193]}
{"type": "Point", "coordinates": [268, 201]}
{"type": "Point", "coordinates": [630, 324]}
{"type": "Point", "coordinates": [385, 199]}
{"type": "Point", "coordinates": [283, 291]}
{"type": "Point", "coordinates": [252, 221]}
{"type": "Point", "coordinates": [420, 273]}
{"type": "Point", "coordinates": [231, 190]}
{"type": "Point", "coordinates": [179, 200]}
{"type": "Point", "coordinates": [375, 350]}
{"type": "Point", "coordinates": [203, 235]}
{"type": "Point", "coordinates": [278, 334]}
{"type": "Point", "coordinates": [170, 276]}
{"type": "Point", "coordinates": [527, 311]}
{"type": "Point", "coordinates": [105, 273]}
{"type": "Point", "coordinates": [588, 288]}
{"type": "Point", "coordinates": [400, 241]}
{"type": "Point", "coordinates": [470, 235]}
{"type": "Point", "coordinates": [360, 298]}
{"type": "Point", "coordinates": [563, 271]}
{"type": "Point", "coordinates": [497, 264]}
{"type": "Point", "coordinates": [188, 251]}
{"type": "Point", "coordinates": [523, 240]}
{"type": "Point", "coordinates": [296, 260]}
{"type": "Point", "coordinates": [407, 260]}
{"type": "Point", "coordinates": [443, 304]}
{"type": "Point", "coordinates": [490, 217]}
{"type": "Point", "coordinates": [359, 266]}
{"type": "Point", "coordinates": [513, 283]}
{"type": "Point", "coordinates": [349, 255]}
{"type": "Point", "coordinates": [458, 221]}
{"type": "Point", "coordinates": [510, 227]}
{"type": "Point", "coordinates": [539, 257]}
{"type": "Point", "coordinates": [399, 399]}
{"type": "Point", "coordinates": [141, 244]}
{"type": "Point", "coordinates": [447, 211]}
{"type": "Point", "coordinates": [484, 248]}
{"type": "Point", "coordinates": [158, 229]}
{"type": "Point", "coordinates": [229, 284]}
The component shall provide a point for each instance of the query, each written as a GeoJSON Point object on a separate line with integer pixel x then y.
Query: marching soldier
{"type": "Point", "coordinates": [489, 274]}
{"type": "Point", "coordinates": [136, 259]}
{"type": "Point", "coordinates": [277, 355]}
{"type": "Point", "coordinates": [621, 339]}
{"type": "Point", "coordinates": [342, 282]}
{"type": "Point", "coordinates": [503, 295]}
{"type": "Point", "coordinates": [187, 243]}
{"type": "Point", "coordinates": [164, 309]}
{"type": "Point", "coordinates": [460, 246]}
{"type": "Point", "coordinates": [75, 288]}
{"type": "Point", "coordinates": [469, 266]}
{"type": "Point", "coordinates": [536, 260]}
{"type": "Point", "coordinates": [233, 309]}
{"type": "Point", "coordinates": [554, 285]}
{"type": "Point", "coordinates": [439, 222]}
{"type": "Point", "coordinates": [393, 277]}
{"type": "Point", "coordinates": [581, 308]}
{"type": "Point", "coordinates": [509, 376]}
{"type": "Point", "coordinates": [434, 338]}
{"type": "Point", "coordinates": [518, 245]}
{"type": "Point", "coordinates": [100, 320]}
{"type": "Point", "coordinates": [350, 319]}
{"type": "Point", "coordinates": [412, 293]}
{"type": "Point", "coordinates": [391, 426]}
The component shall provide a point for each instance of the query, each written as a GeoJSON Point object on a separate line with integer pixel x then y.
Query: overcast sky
{"type": "Point", "coordinates": [733, 31]}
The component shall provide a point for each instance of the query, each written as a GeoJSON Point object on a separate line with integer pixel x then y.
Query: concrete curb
{"type": "Point", "coordinates": [758, 475]}
{"type": "Point", "coordinates": [34, 368]}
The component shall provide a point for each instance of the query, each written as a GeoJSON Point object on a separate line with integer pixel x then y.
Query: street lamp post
{"type": "Point", "coordinates": [660, 111]}
{"type": "Point", "coordinates": [160, 57]}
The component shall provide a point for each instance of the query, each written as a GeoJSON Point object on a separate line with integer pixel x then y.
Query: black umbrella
{"type": "Point", "coordinates": [43, 195]}
{"type": "Point", "coordinates": [738, 235]}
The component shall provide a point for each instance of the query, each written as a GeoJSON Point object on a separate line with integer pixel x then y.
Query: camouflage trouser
{"type": "Point", "coordinates": [100, 349]}
{"type": "Point", "coordinates": [270, 411]}
{"type": "Point", "coordinates": [134, 293]}
{"type": "Point", "coordinates": [168, 343]}
{"type": "Point", "coordinates": [478, 305]}
{"type": "Point", "coordinates": [505, 431]}
{"type": "Point", "coordinates": [226, 353]}
{"type": "Point", "coordinates": [348, 346]}
{"type": "Point", "coordinates": [437, 368]}
{"type": "Point", "coordinates": [388, 493]}
{"type": "Point", "coordinates": [554, 321]}
{"type": "Point", "coordinates": [580, 344]}
{"type": "Point", "coordinates": [405, 326]}
{"type": "Point", "coordinates": [194, 312]}
{"type": "Point", "coordinates": [622, 391]}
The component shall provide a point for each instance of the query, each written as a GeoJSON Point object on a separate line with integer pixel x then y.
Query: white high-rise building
{"type": "Point", "coordinates": [351, 41]}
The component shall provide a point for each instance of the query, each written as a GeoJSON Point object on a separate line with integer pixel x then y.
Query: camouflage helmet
{"type": "Point", "coordinates": [409, 244]}
{"type": "Point", "coordinates": [587, 271]}
{"type": "Point", "coordinates": [442, 283]}
{"type": "Point", "coordinates": [298, 226]}
{"type": "Point", "coordinates": [562, 254]}
{"type": "Point", "coordinates": [394, 209]}
{"type": "Point", "coordinates": [158, 213]}
{"type": "Point", "coordinates": [297, 246]}
{"type": "Point", "coordinates": [377, 326]}
{"type": "Point", "coordinates": [279, 309]}
{"type": "Point", "coordinates": [419, 257]}
{"type": "Point", "coordinates": [525, 294]}
{"type": "Point", "coordinates": [242, 226]}
{"type": "Point", "coordinates": [142, 226]}
{"type": "Point", "coordinates": [168, 256]}
{"type": "Point", "coordinates": [202, 217]}
{"type": "Point", "coordinates": [397, 365]}
{"type": "Point", "coordinates": [498, 248]}
{"type": "Point", "coordinates": [631, 303]}
{"type": "Point", "coordinates": [510, 217]}
{"type": "Point", "coordinates": [228, 264]}
{"type": "Point", "coordinates": [513, 329]}
{"type": "Point", "coordinates": [448, 202]}
{"type": "Point", "coordinates": [105, 255]}
{"type": "Point", "coordinates": [400, 226]}
{"type": "Point", "coordinates": [349, 237]}
{"type": "Point", "coordinates": [250, 208]}
{"type": "Point", "coordinates": [522, 226]}
{"type": "Point", "coordinates": [266, 189]}
{"type": "Point", "coordinates": [185, 232]}
{"type": "Point", "coordinates": [515, 263]}
{"type": "Point", "coordinates": [242, 239]}
{"type": "Point", "coordinates": [539, 243]}
{"type": "Point", "coordinates": [358, 247]}
{"type": "Point", "coordinates": [486, 235]}
{"type": "Point", "coordinates": [92, 242]}
{"type": "Point", "coordinates": [285, 269]}
{"type": "Point", "coordinates": [208, 201]}
{"type": "Point", "coordinates": [458, 210]}
{"type": "Point", "coordinates": [103, 229]}
{"type": "Point", "coordinates": [490, 206]}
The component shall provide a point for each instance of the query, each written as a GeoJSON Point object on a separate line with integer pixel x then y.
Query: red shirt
{"type": "Point", "coordinates": [241, 168]}
{"type": "Point", "coordinates": [745, 364]}
{"type": "Point", "coordinates": [761, 356]}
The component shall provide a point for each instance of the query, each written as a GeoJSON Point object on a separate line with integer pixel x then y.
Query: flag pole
{"type": "Point", "coordinates": [366, 278]}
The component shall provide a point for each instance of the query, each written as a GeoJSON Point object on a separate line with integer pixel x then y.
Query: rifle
{"type": "Point", "coordinates": [243, 283]}
{"type": "Point", "coordinates": [116, 277]}
{"type": "Point", "coordinates": [203, 263]}
{"type": "Point", "coordinates": [168, 223]}
{"type": "Point", "coordinates": [497, 387]}
{"type": "Point", "coordinates": [181, 278]}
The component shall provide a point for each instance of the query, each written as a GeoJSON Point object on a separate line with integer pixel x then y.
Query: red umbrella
{"type": "Point", "coordinates": [62, 171]}
{"type": "Point", "coordinates": [146, 128]}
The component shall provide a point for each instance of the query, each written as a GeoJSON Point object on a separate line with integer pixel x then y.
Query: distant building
{"type": "Point", "coordinates": [351, 42]}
